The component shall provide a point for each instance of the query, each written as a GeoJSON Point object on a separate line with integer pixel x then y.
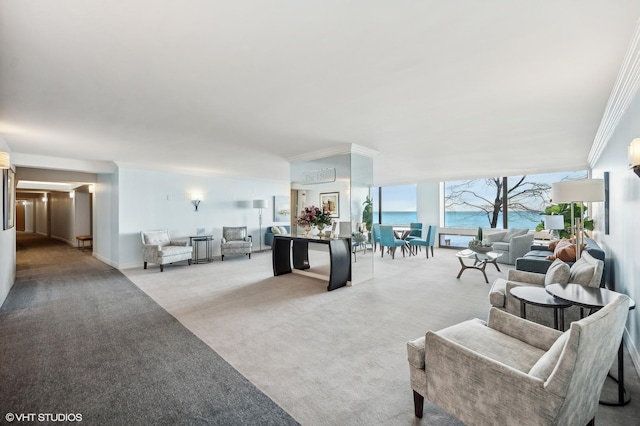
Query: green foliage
{"type": "Point", "coordinates": [367, 213]}
{"type": "Point", "coordinates": [479, 236]}
{"type": "Point", "coordinates": [564, 209]}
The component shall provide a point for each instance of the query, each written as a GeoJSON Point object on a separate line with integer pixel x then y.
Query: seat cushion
{"type": "Point", "coordinates": [275, 230]}
{"type": "Point", "coordinates": [175, 250]}
{"type": "Point", "coordinates": [476, 336]}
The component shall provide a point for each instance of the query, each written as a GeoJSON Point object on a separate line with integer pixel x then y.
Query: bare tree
{"type": "Point", "coordinates": [493, 195]}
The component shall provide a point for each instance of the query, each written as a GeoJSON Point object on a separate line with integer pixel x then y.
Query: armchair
{"type": "Point", "coordinates": [235, 241]}
{"type": "Point", "coordinates": [586, 271]}
{"type": "Point", "coordinates": [512, 243]}
{"type": "Point", "coordinates": [158, 248]}
{"type": "Point", "coordinates": [513, 371]}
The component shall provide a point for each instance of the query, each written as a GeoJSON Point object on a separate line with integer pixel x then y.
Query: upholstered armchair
{"type": "Point", "coordinates": [509, 371]}
{"type": "Point", "coordinates": [586, 271]}
{"type": "Point", "coordinates": [235, 240]}
{"type": "Point", "coordinates": [512, 243]}
{"type": "Point", "coordinates": [158, 248]}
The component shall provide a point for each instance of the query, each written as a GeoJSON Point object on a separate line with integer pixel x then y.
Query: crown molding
{"type": "Point", "coordinates": [624, 90]}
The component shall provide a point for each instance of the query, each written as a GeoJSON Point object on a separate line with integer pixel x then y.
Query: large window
{"type": "Point", "coordinates": [395, 205]}
{"type": "Point", "coordinates": [483, 202]}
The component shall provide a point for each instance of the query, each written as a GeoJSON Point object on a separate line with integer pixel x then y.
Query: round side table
{"type": "Point", "coordinates": [538, 296]}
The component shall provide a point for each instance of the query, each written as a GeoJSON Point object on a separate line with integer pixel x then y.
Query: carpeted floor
{"type": "Point", "coordinates": [78, 337]}
{"type": "Point", "coordinates": [339, 357]}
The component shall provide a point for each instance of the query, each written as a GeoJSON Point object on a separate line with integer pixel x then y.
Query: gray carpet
{"type": "Point", "coordinates": [78, 337]}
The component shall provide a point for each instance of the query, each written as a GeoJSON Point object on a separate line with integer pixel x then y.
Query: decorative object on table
{"type": "Point", "coordinates": [314, 216]}
{"type": "Point", "coordinates": [479, 245]}
{"type": "Point", "coordinates": [330, 202]}
{"type": "Point", "coordinates": [554, 223]}
{"type": "Point", "coordinates": [281, 209]}
{"type": "Point", "coordinates": [578, 191]}
{"type": "Point", "coordinates": [260, 204]}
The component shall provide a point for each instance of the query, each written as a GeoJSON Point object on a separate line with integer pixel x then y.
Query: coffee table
{"type": "Point", "coordinates": [538, 296]}
{"type": "Point", "coordinates": [480, 261]}
{"type": "Point", "coordinates": [595, 298]}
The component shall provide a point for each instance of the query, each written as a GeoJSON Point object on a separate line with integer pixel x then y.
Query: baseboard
{"type": "Point", "coordinates": [105, 260]}
{"type": "Point", "coordinates": [71, 243]}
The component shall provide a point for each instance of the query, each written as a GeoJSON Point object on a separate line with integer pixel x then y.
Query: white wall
{"type": "Point", "coordinates": [7, 250]}
{"type": "Point", "coordinates": [41, 216]}
{"type": "Point", "coordinates": [105, 218]}
{"type": "Point", "coordinates": [29, 216]}
{"type": "Point", "coordinates": [82, 209]}
{"type": "Point", "coordinates": [621, 245]}
{"type": "Point", "coordinates": [428, 204]}
{"type": "Point", "coordinates": [62, 217]}
{"type": "Point", "coordinates": [160, 200]}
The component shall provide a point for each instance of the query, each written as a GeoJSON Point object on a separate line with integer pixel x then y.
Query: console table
{"type": "Point", "coordinates": [339, 255]}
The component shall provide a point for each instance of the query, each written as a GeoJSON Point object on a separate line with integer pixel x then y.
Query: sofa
{"type": "Point", "coordinates": [535, 260]}
{"type": "Point", "coordinates": [512, 243]}
{"type": "Point", "coordinates": [268, 235]}
{"type": "Point", "coordinates": [587, 271]}
{"type": "Point", "coordinates": [157, 247]}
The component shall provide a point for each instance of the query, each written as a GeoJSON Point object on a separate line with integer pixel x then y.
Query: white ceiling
{"type": "Point", "coordinates": [440, 89]}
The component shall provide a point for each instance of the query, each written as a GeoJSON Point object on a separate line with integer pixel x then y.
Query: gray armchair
{"type": "Point", "coordinates": [586, 271]}
{"type": "Point", "coordinates": [512, 243]}
{"type": "Point", "coordinates": [513, 371]}
{"type": "Point", "coordinates": [158, 248]}
{"type": "Point", "coordinates": [235, 241]}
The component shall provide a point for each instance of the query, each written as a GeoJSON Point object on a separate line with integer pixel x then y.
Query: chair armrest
{"type": "Point", "coordinates": [526, 277]}
{"type": "Point", "coordinates": [538, 247]}
{"type": "Point", "coordinates": [519, 246]}
{"type": "Point", "coordinates": [534, 334]}
{"type": "Point", "coordinates": [223, 240]}
{"type": "Point", "coordinates": [151, 247]}
{"type": "Point", "coordinates": [248, 238]}
{"type": "Point", "coordinates": [178, 243]}
{"type": "Point", "coordinates": [484, 388]}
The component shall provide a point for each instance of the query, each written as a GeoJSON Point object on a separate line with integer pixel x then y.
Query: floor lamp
{"type": "Point", "coordinates": [260, 204]}
{"type": "Point", "coordinates": [578, 191]}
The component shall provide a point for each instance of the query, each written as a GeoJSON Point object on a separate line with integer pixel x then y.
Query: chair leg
{"type": "Point", "coordinates": [221, 257]}
{"type": "Point", "coordinates": [161, 268]}
{"type": "Point", "coordinates": [189, 260]}
{"type": "Point", "coordinates": [418, 403]}
{"type": "Point", "coordinates": [249, 255]}
{"type": "Point", "coordinates": [431, 250]}
{"type": "Point", "coordinates": [145, 265]}
{"type": "Point", "coordinates": [592, 422]}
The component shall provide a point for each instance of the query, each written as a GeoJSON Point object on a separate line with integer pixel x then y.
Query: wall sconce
{"type": "Point", "coordinates": [44, 198]}
{"type": "Point", "coordinates": [72, 194]}
{"type": "Point", "coordinates": [92, 188]}
{"type": "Point", "coordinates": [195, 200]}
{"type": "Point", "coordinates": [634, 156]}
{"type": "Point", "coordinates": [5, 160]}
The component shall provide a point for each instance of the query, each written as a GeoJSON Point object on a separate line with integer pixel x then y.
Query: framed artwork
{"type": "Point", "coordinates": [330, 201]}
{"type": "Point", "coordinates": [281, 209]}
{"type": "Point", "coordinates": [8, 198]}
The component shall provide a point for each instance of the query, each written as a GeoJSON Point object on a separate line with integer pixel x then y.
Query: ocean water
{"type": "Point", "coordinates": [525, 220]}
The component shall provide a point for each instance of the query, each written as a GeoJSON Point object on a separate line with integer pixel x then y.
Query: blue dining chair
{"type": "Point", "coordinates": [427, 241]}
{"type": "Point", "coordinates": [375, 236]}
{"type": "Point", "coordinates": [416, 232]}
{"type": "Point", "coordinates": [387, 239]}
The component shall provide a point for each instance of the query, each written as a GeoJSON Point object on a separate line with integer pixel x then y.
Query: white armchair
{"type": "Point", "coordinates": [512, 243]}
{"type": "Point", "coordinates": [158, 248]}
{"type": "Point", "coordinates": [513, 371]}
{"type": "Point", "coordinates": [235, 240]}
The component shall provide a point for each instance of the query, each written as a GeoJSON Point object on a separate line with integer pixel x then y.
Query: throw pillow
{"type": "Point", "coordinates": [587, 271]}
{"type": "Point", "coordinates": [563, 251]}
{"type": "Point", "coordinates": [547, 362]}
{"type": "Point", "coordinates": [283, 230]}
{"type": "Point", "coordinates": [275, 230]}
{"type": "Point", "coordinates": [558, 272]}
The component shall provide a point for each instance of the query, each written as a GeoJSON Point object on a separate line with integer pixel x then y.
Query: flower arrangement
{"type": "Point", "coordinates": [314, 216]}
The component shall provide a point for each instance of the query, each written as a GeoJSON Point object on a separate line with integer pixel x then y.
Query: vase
{"type": "Point", "coordinates": [307, 231]}
{"type": "Point", "coordinates": [320, 230]}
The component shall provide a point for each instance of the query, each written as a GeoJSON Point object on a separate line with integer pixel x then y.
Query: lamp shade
{"type": "Point", "coordinates": [5, 160]}
{"type": "Point", "coordinates": [634, 152]}
{"type": "Point", "coordinates": [555, 221]}
{"type": "Point", "coordinates": [260, 204]}
{"type": "Point", "coordinates": [572, 191]}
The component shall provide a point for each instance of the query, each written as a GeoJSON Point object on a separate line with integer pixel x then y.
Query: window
{"type": "Point", "coordinates": [481, 202]}
{"type": "Point", "coordinates": [397, 204]}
